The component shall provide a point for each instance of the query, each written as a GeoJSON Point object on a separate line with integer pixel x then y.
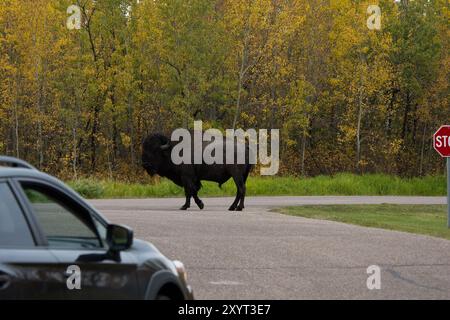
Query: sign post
{"type": "Point", "coordinates": [441, 143]}
{"type": "Point", "coordinates": [448, 192]}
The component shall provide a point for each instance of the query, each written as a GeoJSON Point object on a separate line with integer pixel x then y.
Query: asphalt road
{"type": "Point", "coordinates": [258, 254]}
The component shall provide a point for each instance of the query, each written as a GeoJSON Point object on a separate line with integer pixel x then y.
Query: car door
{"type": "Point", "coordinates": [27, 270]}
{"type": "Point", "coordinates": [74, 238]}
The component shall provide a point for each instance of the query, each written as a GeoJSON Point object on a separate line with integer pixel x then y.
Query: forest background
{"type": "Point", "coordinates": [77, 103]}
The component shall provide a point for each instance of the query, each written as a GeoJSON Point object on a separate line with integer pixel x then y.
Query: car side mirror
{"type": "Point", "coordinates": [118, 237]}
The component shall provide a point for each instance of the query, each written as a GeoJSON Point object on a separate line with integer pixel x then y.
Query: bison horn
{"type": "Point", "coordinates": [165, 146]}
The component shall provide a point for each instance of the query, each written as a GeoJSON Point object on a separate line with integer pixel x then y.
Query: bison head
{"type": "Point", "coordinates": [155, 153]}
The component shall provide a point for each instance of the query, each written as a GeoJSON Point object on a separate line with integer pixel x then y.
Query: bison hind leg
{"type": "Point", "coordinates": [238, 203]}
{"type": "Point", "coordinates": [199, 202]}
{"type": "Point", "coordinates": [234, 204]}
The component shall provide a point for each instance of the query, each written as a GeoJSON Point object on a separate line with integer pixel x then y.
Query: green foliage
{"type": "Point", "coordinates": [88, 188]}
{"type": "Point", "coordinates": [346, 99]}
{"type": "Point", "coordinates": [341, 184]}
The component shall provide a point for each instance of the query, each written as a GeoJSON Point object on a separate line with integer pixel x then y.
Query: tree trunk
{"type": "Point", "coordinates": [360, 113]}
{"type": "Point", "coordinates": [422, 147]}
{"type": "Point", "coordinates": [405, 116]}
{"type": "Point", "coordinates": [238, 100]}
{"type": "Point", "coordinates": [16, 129]}
{"type": "Point", "coordinates": [303, 153]}
{"type": "Point", "coordinates": [242, 72]}
{"type": "Point", "coordinates": [95, 125]}
{"type": "Point", "coordinates": [358, 134]}
{"type": "Point", "coordinates": [40, 89]}
{"type": "Point", "coordinates": [74, 153]}
{"type": "Point", "coordinates": [131, 130]}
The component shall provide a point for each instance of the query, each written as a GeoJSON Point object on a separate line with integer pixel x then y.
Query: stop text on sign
{"type": "Point", "coordinates": [442, 141]}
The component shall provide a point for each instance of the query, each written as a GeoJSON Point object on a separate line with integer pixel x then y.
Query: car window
{"type": "Point", "coordinates": [64, 224]}
{"type": "Point", "coordinates": [14, 231]}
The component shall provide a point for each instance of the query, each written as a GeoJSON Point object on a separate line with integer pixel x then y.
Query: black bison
{"type": "Point", "coordinates": [156, 159]}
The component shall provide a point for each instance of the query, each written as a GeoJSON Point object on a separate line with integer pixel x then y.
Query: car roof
{"type": "Point", "coordinates": [9, 172]}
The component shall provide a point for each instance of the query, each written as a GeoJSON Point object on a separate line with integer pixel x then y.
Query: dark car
{"type": "Point", "coordinates": [54, 245]}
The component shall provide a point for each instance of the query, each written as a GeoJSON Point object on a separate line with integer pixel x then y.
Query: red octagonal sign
{"type": "Point", "coordinates": [441, 141]}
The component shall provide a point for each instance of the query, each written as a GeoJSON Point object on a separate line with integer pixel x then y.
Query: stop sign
{"type": "Point", "coordinates": [441, 141]}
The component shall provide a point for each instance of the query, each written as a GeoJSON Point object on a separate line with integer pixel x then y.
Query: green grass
{"type": "Point", "coordinates": [340, 184]}
{"type": "Point", "coordinates": [422, 219]}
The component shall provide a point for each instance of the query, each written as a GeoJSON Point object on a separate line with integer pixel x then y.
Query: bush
{"type": "Point", "coordinates": [89, 189]}
{"type": "Point", "coordinates": [343, 184]}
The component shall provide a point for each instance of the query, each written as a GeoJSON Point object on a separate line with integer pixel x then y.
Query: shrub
{"type": "Point", "coordinates": [88, 188]}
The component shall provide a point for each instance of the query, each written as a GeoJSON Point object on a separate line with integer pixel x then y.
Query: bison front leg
{"type": "Point", "coordinates": [187, 204]}
{"type": "Point", "coordinates": [190, 190]}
